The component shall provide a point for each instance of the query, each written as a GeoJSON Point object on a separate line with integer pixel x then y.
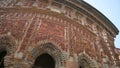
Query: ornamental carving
{"type": "Point", "coordinates": [51, 49]}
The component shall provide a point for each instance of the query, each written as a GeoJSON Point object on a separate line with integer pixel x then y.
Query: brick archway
{"type": "Point", "coordinates": [85, 61]}
{"type": "Point", "coordinates": [7, 49]}
{"type": "Point", "coordinates": [8, 43]}
{"type": "Point", "coordinates": [50, 49]}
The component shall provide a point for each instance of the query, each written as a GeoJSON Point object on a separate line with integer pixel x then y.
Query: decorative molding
{"type": "Point", "coordinates": [51, 49]}
{"type": "Point", "coordinates": [8, 43]}
{"type": "Point", "coordinates": [84, 57]}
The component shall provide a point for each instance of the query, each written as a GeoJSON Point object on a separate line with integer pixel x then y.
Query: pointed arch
{"type": "Point", "coordinates": [52, 50]}
{"type": "Point", "coordinates": [85, 61]}
{"type": "Point", "coordinates": [7, 42]}
{"type": "Point", "coordinates": [7, 49]}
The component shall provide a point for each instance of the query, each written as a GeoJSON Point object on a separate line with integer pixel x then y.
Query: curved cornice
{"type": "Point", "coordinates": [93, 13]}
{"type": "Point", "coordinates": [102, 17]}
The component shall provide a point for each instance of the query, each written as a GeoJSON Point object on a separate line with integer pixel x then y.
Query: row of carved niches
{"type": "Point", "coordinates": [24, 3]}
{"type": "Point", "coordinates": [80, 18]}
{"type": "Point", "coordinates": [90, 25]}
{"type": "Point", "coordinates": [96, 29]}
{"type": "Point", "coordinates": [27, 16]}
{"type": "Point", "coordinates": [54, 6]}
{"type": "Point", "coordinates": [68, 11]}
{"type": "Point", "coordinates": [101, 33]}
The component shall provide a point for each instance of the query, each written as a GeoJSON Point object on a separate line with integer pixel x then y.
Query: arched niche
{"type": "Point", "coordinates": [84, 64]}
{"type": "Point", "coordinates": [51, 50]}
{"type": "Point", "coordinates": [7, 49]}
{"type": "Point", "coordinates": [8, 43]}
{"type": "Point", "coordinates": [85, 61]}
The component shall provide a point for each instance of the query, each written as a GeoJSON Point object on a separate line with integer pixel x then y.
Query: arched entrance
{"type": "Point", "coordinates": [48, 51]}
{"type": "Point", "coordinates": [2, 55]}
{"type": "Point", "coordinates": [44, 61]}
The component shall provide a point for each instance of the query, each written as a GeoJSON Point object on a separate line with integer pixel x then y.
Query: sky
{"type": "Point", "coordinates": [111, 9]}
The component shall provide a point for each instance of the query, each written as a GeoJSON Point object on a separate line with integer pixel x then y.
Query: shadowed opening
{"type": "Point", "coordinates": [84, 64]}
{"type": "Point", "coordinates": [44, 61]}
{"type": "Point", "coordinates": [2, 55]}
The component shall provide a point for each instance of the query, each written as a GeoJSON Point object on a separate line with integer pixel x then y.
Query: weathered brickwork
{"type": "Point", "coordinates": [66, 30]}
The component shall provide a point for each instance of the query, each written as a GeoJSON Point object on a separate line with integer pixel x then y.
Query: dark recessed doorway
{"type": "Point", "coordinates": [44, 61]}
{"type": "Point", "coordinates": [2, 55]}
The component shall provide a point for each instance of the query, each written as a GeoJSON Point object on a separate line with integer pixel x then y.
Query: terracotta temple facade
{"type": "Point", "coordinates": [55, 34]}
